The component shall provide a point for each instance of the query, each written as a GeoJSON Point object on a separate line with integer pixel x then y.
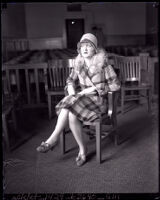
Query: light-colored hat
{"type": "Point", "coordinates": [88, 37]}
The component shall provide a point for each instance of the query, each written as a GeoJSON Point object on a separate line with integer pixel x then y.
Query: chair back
{"type": "Point", "coordinates": [58, 72]}
{"type": "Point", "coordinates": [130, 68]}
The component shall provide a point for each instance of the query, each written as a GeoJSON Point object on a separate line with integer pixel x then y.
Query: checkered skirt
{"type": "Point", "coordinates": [85, 107]}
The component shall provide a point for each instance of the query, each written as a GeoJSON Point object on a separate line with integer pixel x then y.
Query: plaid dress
{"type": "Point", "coordinates": [88, 107]}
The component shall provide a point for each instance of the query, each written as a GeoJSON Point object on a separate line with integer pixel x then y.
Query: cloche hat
{"type": "Point", "coordinates": [88, 37]}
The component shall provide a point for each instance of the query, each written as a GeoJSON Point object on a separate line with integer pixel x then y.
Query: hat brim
{"type": "Point", "coordinates": [85, 41]}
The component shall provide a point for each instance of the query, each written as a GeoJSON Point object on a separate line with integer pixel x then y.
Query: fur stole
{"type": "Point", "coordinates": [97, 62]}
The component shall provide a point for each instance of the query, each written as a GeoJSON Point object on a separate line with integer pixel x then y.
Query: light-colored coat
{"type": "Point", "coordinates": [99, 74]}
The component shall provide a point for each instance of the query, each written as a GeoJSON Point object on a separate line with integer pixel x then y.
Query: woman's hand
{"type": "Point", "coordinates": [71, 90]}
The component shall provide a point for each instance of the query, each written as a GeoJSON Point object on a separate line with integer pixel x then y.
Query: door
{"type": "Point", "coordinates": [74, 30]}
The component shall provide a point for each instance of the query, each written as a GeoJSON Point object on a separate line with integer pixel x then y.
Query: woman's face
{"type": "Point", "coordinates": [87, 50]}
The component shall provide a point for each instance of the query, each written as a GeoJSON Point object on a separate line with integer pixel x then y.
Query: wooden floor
{"type": "Point", "coordinates": [132, 167]}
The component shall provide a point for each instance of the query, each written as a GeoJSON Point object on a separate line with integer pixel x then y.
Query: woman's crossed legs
{"type": "Point", "coordinates": [76, 128]}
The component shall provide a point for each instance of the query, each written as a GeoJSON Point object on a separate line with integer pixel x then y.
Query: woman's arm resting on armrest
{"type": "Point", "coordinates": [88, 90]}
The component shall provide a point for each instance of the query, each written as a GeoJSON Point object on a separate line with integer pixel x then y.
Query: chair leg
{"type": "Point", "coordinates": [98, 142]}
{"type": "Point", "coordinates": [49, 107]}
{"type": "Point", "coordinates": [5, 130]}
{"type": "Point", "coordinates": [14, 119]}
{"type": "Point", "coordinates": [149, 100]}
{"type": "Point", "coordinates": [122, 100]}
{"type": "Point", "coordinates": [116, 138]}
{"type": "Point", "coordinates": [62, 142]}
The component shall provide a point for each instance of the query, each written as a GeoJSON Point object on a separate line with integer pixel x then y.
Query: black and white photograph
{"type": "Point", "coordinates": [80, 93]}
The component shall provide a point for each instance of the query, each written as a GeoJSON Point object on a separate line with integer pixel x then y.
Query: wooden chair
{"type": "Point", "coordinates": [131, 79]}
{"type": "Point", "coordinates": [58, 73]}
{"type": "Point", "coordinates": [109, 119]}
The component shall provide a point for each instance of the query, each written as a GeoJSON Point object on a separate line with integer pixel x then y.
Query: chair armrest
{"type": "Point", "coordinates": [112, 102]}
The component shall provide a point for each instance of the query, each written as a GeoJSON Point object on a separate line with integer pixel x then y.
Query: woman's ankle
{"type": "Point", "coordinates": [83, 151]}
{"type": "Point", "coordinates": [51, 141]}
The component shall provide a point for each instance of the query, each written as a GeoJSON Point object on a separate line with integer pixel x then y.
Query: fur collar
{"type": "Point", "coordinates": [98, 59]}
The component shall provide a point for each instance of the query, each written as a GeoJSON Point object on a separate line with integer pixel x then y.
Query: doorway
{"type": "Point", "coordinates": [74, 31]}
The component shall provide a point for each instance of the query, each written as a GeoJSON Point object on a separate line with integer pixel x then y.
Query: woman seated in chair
{"type": "Point", "coordinates": [95, 77]}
